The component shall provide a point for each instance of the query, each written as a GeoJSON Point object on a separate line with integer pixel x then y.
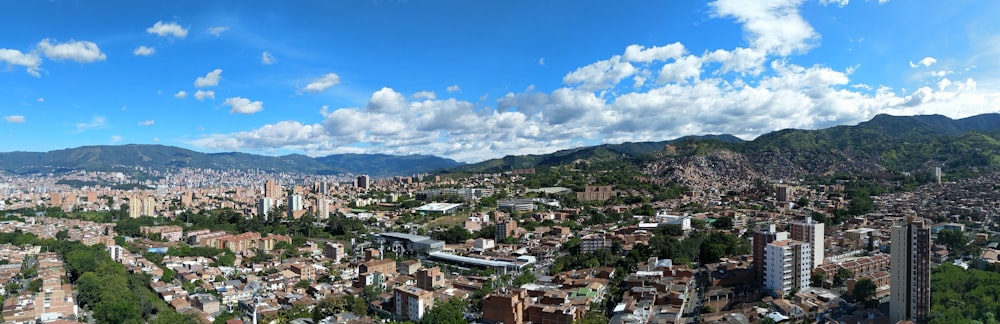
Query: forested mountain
{"type": "Point", "coordinates": [160, 157]}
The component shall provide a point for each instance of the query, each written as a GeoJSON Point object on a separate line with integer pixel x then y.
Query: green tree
{"type": "Point", "coordinates": [841, 276]}
{"type": "Point", "coordinates": [451, 311]}
{"type": "Point", "coordinates": [723, 223]}
{"type": "Point", "coordinates": [864, 291]}
{"type": "Point", "coordinates": [817, 279]}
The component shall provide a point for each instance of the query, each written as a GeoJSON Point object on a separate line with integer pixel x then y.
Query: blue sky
{"type": "Point", "coordinates": [473, 80]}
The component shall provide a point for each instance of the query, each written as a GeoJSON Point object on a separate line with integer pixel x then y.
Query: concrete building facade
{"type": "Point", "coordinates": [910, 270]}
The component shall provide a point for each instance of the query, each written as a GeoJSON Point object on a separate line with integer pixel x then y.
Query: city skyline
{"type": "Point", "coordinates": [472, 81]}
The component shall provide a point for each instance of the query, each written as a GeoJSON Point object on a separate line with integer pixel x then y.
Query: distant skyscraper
{"type": "Point", "coordinates": [784, 194]}
{"type": "Point", "coordinates": [322, 208]}
{"type": "Point", "coordinates": [788, 267]}
{"type": "Point", "coordinates": [264, 206]}
{"type": "Point", "coordinates": [294, 204]}
{"type": "Point", "coordinates": [761, 238]}
{"type": "Point", "coordinates": [271, 189]}
{"type": "Point", "coordinates": [811, 232]}
{"type": "Point", "coordinates": [910, 270]}
{"type": "Point", "coordinates": [364, 182]}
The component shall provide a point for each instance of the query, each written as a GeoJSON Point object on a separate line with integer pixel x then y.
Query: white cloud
{"type": "Point", "coordinates": [883, 1]}
{"type": "Point", "coordinates": [242, 105]}
{"type": "Point", "coordinates": [78, 51]}
{"type": "Point", "coordinates": [638, 53]}
{"type": "Point", "coordinates": [424, 95]}
{"type": "Point", "coordinates": [98, 122]}
{"type": "Point", "coordinates": [181, 94]}
{"type": "Point", "coordinates": [147, 122]}
{"type": "Point", "coordinates": [839, 3]}
{"type": "Point", "coordinates": [267, 59]}
{"type": "Point", "coordinates": [541, 61]}
{"type": "Point", "coordinates": [40, 99]}
{"type": "Point", "coordinates": [144, 51]}
{"type": "Point", "coordinates": [204, 94]}
{"type": "Point", "coordinates": [217, 30]}
{"type": "Point", "coordinates": [772, 26]}
{"type": "Point", "coordinates": [30, 61]}
{"type": "Point", "coordinates": [167, 29]}
{"type": "Point", "coordinates": [454, 88]}
{"type": "Point", "coordinates": [116, 138]}
{"type": "Point", "coordinates": [600, 75]}
{"type": "Point", "coordinates": [15, 119]}
{"type": "Point", "coordinates": [282, 134]}
{"type": "Point", "coordinates": [156, 139]}
{"type": "Point", "coordinates": [926, 62]}
{"type": "Point", "coordinates": [209, 80]}
{"type": "Point", "coordinates": [322, 83]}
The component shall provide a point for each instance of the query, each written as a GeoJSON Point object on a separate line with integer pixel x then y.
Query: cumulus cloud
{"type": "Point", "coordinates": [287, 133]}
{"type": "Point", "coordinates": [15, 119]}
{"type": "Point", "coordinates": [204, 94]}
{"type": "Point", "coordinates": [217, 30]}
{"type": "Point", "coordinates": [97, 122]}
{"type": "Point", "coordinates": [209, 80]}
{"type": "Point", "coordinates": [116, 138]}
{"type": "Point", "coordinates": [600, 75]}
{"type": "Point", "coordinates": [424, 95]}
{"type": "Point", "coordinates": [267, 59]}
{"type": "Point", "coordinates": [926, 62]}
{"type": "Point", "coordinates": [40, 99]}
{"type": "Point", "coordinates": [78, 51]}
{"type": "Point", "coordinates": [143, 51]}
{"type": "Point", "coordinates": [322, 83]}
{"type": "Point", "coordinates": [454, 88]}
{"type": "Point", "coordinates": [147, 122]}
{"type": "Point", "coordinates": [181, 94]}
{"type": "Point", "coordinates": [29, 61]}
{"type": "Point", "coordinates": [242, 105]}
{"type": "Point", "coordinates": [772, 26]}
{"type": "Point", "coordinates": [161, 28]}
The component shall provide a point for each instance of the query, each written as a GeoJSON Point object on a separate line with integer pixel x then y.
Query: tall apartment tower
{"type": "Point", "coordinates": [811, 232]}
{"type": "Point", "coordinates": [784, 194]}
{"type": "Point", "coordinates": [294, 205]}
{"type": "Point", "coordinates": [364, 182]}
{"type": "Point", "coordinates": [264, 206]}
{"type": "Point", "coordinates": [789, 266]}
{"type": "Point", "coordinates": [761, 238]}
{"type": "Point", "coordinates": [910, 271]}
{"type": "Point", "coordinates": [271, 189]}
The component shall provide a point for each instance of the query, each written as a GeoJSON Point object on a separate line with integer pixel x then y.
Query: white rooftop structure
{"type": "Point", "coordinates": [443, 208]}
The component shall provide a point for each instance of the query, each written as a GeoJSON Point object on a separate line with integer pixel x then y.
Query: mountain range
{"type": "Point", "coordinates": [163, 157]}
{"type": "Point", "coordinates": [884, 143]}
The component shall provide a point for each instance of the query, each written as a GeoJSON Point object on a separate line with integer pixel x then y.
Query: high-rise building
{"type": "Point", "coordinates": [505, 228]}
{"type": "Point", "coordinates": [784, 193]}
{"type": "Point", "coordinates": [271, 189]}
{"type": "Point", "coordinates": [264, 205]}
{"type": "Point", "coordinates": [788, 266]}
{"type": "Point", "coordinates": [910, 270]}
{"type": "Point", "coordinates": [761, 238]}
{"type": "Point", "coordinates": [364, 182]}
{"type": "Point", "coordinates": [812, 232]}
{"type": "Point", "coordinates": [322, 208]}
{"type": "Point", "coordinates": [134, 207]}
{"type": "Point", "coordinates": [149, 206]}
{"type": "Point", "coordinates": [294, 205]}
